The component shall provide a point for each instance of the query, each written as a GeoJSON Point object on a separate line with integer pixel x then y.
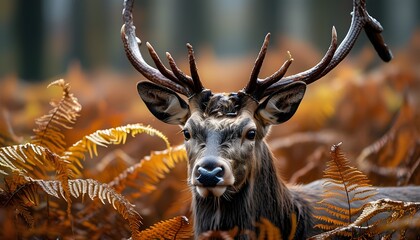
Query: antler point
{"type": "Point", "coordinates": [334, 32]}
{"type": "Point", "coordinates": [290, 56]}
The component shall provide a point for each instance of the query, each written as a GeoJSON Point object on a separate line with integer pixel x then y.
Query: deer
{"type": "Point", "coordinates": [231, 171]}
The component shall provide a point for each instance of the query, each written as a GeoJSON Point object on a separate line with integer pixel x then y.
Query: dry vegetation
{"type": "Point", "coordinates": [90, 170]}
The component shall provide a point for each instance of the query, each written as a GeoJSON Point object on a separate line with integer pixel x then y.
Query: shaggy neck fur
{"type": "Point", "coordinates": [263, 196]}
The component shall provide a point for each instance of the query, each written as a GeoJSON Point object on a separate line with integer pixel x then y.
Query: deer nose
{"type": "Point", "coordinates": [209, 174]}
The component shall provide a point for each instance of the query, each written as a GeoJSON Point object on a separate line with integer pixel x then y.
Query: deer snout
{"type": "Point", "coordinates": [209, 175]}
{"type": "Point", "coordinates": [212, 174]}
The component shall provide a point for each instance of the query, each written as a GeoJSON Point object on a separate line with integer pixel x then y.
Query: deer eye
{"type": "Point", "coordinates": [250, 134]}
{"type": "Point", "coordinates": [187, 134]}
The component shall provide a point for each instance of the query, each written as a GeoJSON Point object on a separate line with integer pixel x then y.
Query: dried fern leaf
{"type": "Point", "coordinates": [386, 205]}
{"type": "Point", "coordinates": [94, 189]}
{"type": "Point", "coordinates": [30, 160]}
{"type": "Point", "coordinates": [48, 132]}
{"type": "Point", "coordinates": [145, 175]}
{"type": "Point", "coordinates": [113, 136]}
{"type": "Point", "coordinates": [175, 228]}
{"type": "Point", "coordinates": [397, 210]}
{"type": "Point", "coordinates": [345, 191]}
{"type": "Point", "coordinates": [22, 158]}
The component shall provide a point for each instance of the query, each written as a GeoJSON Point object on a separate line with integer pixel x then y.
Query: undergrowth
{"type": "Point", "coordinates": [47, 192]}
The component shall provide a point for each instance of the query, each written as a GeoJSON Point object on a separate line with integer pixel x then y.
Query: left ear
{"type": "Point", "coordinates": [281, 105]}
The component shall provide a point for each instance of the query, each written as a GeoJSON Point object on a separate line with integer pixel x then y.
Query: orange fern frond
{"type": "Point", "coordinates": [175, 228]}
{"type": "Point", "coordinates": [112, 136]}
{"type": "Point", "coordinates": [345, 189]}
{"type": "Point", "coordinates": [145, 175]}
{"type": "Point", "coordinates": [63, 115]}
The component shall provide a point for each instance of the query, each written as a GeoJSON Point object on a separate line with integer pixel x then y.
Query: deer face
{"type": "Point", "coordinates": [222, 132]}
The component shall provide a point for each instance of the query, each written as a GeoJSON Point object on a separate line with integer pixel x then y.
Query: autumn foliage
{"type": "Point", "coordinates": [84, 167]}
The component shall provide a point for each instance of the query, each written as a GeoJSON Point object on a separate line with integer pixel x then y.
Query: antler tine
{"type": "Point", "coordinates": [180, 74]}
{"type": "Point", "coordinates": [159, 64]}
{"type": "Point", "coordinates": [278, 74]}
{"type": "Point", "coordinates": [198, 86]}
{"type": "Point", "coordinates": [253, 85]}
{"type": "Point", "coordinates": [256, 87]}
{"type": "Point", "coordinates": [179, 79]}
{"type": "Point", "coordinates": [309, 75]}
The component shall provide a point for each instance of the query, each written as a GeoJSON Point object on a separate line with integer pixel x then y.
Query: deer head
{"type": "Point", "coordinates": [224, 132]}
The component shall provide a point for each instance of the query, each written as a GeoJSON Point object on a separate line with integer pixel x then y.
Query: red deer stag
{"type": "Point", "coordinates": [231, 170]}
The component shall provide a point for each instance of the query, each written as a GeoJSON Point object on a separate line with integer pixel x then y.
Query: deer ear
{"type": "Point", "coordinates": [163, 103]}
{"type": "Point", "coordinates": [281, 105]}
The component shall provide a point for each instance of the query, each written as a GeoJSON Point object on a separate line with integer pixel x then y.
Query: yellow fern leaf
{"type": "Point", "coordinates": [112, 136]}
{"type": "Point", "coordinates": [62, 116]}
{"type": "Point", "coordinates": [175, 228]}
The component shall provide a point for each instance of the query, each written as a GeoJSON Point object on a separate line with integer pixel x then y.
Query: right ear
{"type": "Point", "coordinates": [163, 103]}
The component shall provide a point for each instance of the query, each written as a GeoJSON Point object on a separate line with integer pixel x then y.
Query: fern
{"type": "Point", "coordinates": [175, 228]}
{"type": "Point", "coordinates": [344, 185]}
{"type": "Point", "coordinates": [145, 175]}
{"type": "Point", "coordinates": [63, 115]}
{"type": "Point", "coordinates": [29, 160]}
{"type": "Point", "coordinates": [112, 136]}
{"type": "Point", "coordinates": [396, 211]}
{"type": "Point", "coordinates": [44, 165]}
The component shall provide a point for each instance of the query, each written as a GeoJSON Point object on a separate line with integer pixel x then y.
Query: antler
{"type": "Point", "coordinates": [173, 79]}
{"type": "Point", "coordinates": [260, 88]}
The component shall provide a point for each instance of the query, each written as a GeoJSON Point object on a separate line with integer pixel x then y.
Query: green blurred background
{"type": "Point", "coordinates": [39, 39]}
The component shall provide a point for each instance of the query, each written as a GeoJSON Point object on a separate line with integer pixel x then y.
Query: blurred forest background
{"type": "Point", "coordinates": [370, 106]}
{"type": "Point", "coordinates": [39, 39]}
